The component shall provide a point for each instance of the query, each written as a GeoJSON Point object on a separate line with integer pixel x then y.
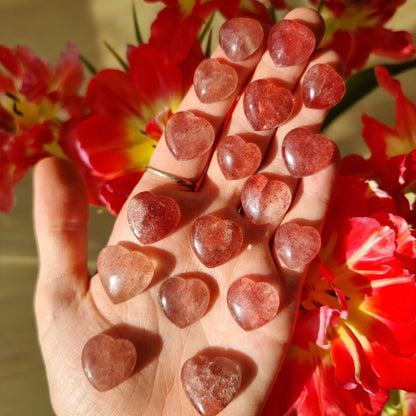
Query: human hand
{"type": "Point", "coordinates": [71, 307]}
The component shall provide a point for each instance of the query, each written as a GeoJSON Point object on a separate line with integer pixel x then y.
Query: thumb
{"type": "Point", "coordinates": [61, 231]}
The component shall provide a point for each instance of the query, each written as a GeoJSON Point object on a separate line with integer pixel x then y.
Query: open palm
{"type": "Point", "coordinates": [71, 307]}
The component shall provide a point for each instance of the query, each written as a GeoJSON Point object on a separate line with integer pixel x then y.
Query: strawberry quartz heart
{"type": "Point", "coordinates": [184, 301]}
{"type": "Point", "coordinates": [188, 136]}
{"type": "Point", "coordinates": [306, 153]}
{"type": "Point", "coordinates": [266, 104]}
{"type": "Point", "coordinates": [252, 304]}
{"type": "Point", "coordinates": [240, 37]}
{"type": "Point", "coordinates": [296, 245]}
{"type": "Point", "coordinates": [322, 86]}
{"type": "Point", "coordinates": [290, 43]}
{"type": "Point", "coordinates": [107, 362]}
{"type": "Point", "coordinates": [210, 383]}
{"type": "Point", "coordinates": [152, 216]}
{"type": "Point", "coordinates": [236, 158]}
{"type": "Point", "coordinates": [215, 240]}
{"type": "Point", "coordinates": [265, 200]}
{"type": "Point", "coordinates": [214, 81]}
{"type": "Point", "coordinates": [124, 274]}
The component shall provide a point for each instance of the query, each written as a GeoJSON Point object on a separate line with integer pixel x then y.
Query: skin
{"type": "Point", "coordinates": [71, 306]}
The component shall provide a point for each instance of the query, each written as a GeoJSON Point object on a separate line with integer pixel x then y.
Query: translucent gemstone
{"type": "Point", "coordinates": [124, 273]}
{"type": "Point", "coordinates": [252, 304]}
{"type": "Point", "coordinates": [107, 362]}
{"type": "Point", "coordinates": [305, 152]}
{"type": "Point", "coordinates": [296, 245]}
{"type": "Point", "coordinates": [240, 37]}
{"type": "Point", "coordinates": [184, 301]}
{"type": "Point", "coordinates": [290, 43]}
{"type": "Point", "coordinates": [265, 200]}
{"type": "Point", "coordinates": [188, 136]}
{"type": "Point", "coordinates": [215, 241]}
{"type": "Point", "coordinates": [152, 216]}
{"type": "Point", "coordinates": [266, 105]}
{"type": "Point", "coordinates": [210, 383]}
{"type": "Point", "coordinates": [214, 81]}
{"type": "Point", "coordinates": [238, 159]}
{"type": "Point", "coordinates": [323, 87]}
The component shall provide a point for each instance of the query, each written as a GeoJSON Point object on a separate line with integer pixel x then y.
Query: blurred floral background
{"type": "Point", "coordinates": [96, 82]}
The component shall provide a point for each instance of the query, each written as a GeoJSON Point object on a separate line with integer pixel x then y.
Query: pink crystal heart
{"type": "Point", "coordinates": [240, 37]}
{"type": "Point", "coordinates": [296, 245]}
{"type": "Point", "coordinates": [322, 87]}
{"type": "Point", "coordinates": [210, 383]}
{"type": "Point", "coordinates": [152, 217]}
{"type": "Point", "coordinates": [188, 136]}
{"type": "Point", "coordinates": [184, 301]}
{"type": "Point", "coordinates": [252, 304]}
{"type": "Point", "coordinates": [266, 104]}
{"type": "Point", "coordinates": [215, 241]}
{"type": "Point", "coordinates": [214, 81]}
{"type": "Point", "coordinates": [107, 362]}
{"type": "Point", "coordinates": [236, 158]}
{"type": "Point", "coordinates": [124, 273]}
{"type": "Point", "coordinates": [306, 153]}
{"type": "Point", "coordinates": [290, 43]}
{"type": "Point", "coordinates": [265, 200]}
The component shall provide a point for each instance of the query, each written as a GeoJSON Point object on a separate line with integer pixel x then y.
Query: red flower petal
{"type": "Point", "coordinates": [352, 366]}
{"type": "Point", "coordinates": [156, 80]}
{"type": "Point", "coordinates": [112, 149]}
{"type": "Point", "coordinates": [114, 193]}
{"type": "Point", "coordinates": [395, 372]}
{"type": "Point", "coordinates": [369, 246]}
{"type": "Point", "coordinates": [37, 75]}
{"type": "Point", "coordinates": [174, 33]}
{"type": "Point", "coordinates": [393, 299]}
{"type": "Point", "coordinates": [111, 93]}
{"type": "Point", "coordinates": [69, 75]}
{"type": "Point", "coordinates": [10, 61]}
{"type": "Point", "coordinates": [306, 386]}
{"type": "Point", "coordinates": [313, 325]}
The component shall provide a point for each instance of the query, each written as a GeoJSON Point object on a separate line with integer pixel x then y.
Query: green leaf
{"type": "Point", "coordinates": [136, 26]}
{"type": "Point", "coordinates": [207, 28]}
{"type": "Point", "coordinates": [117, 56]}
{"type": "Point", "coordinates": [88, 65]}
{"type": "Point", "coordinates": [208, 51]}
{"type": "Point", "coordinates": [360, 84]}
{"type": "Point", "coordinates": [273, 14]}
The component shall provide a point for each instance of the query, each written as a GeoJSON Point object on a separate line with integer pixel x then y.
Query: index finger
{"type": "Point", "coordinates": [214, 112]}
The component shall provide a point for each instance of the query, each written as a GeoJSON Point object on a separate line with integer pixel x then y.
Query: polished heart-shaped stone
{"type": "Point", "coordinates": [306, 153]}
{"type": "Point", "coordinates": [322, 87]}
{"type": "Point", "coordinates": [290, 43]}
{"type": "Point", "coordinates": [252, 303]}
{"type": "Point", "coordinates": [266, 104]}
{"type": "Point", "coordinates": [236, 158]}
{"type": "Point", "coordinates": [296, 245]}
{"type": "Point", "coordinates": [152, 216]}
{"type": "Point", "coordinates": [107, 362]}
{"type": "Point", "coordinates": [188, 136]}
{"type": "Point", "coordinates": [265, 200]}
{"type": "Point", "coordinates": [214, 81]}
{"type": "Point", "coordinates": [240, 37]}
{"type": "Point", "coordinates": [184, 301]}
{"type": "Point", "coordinates": [210, 383]}
{"type": "Point", "coordinates": [123, 273]}
{"type": "Point", "coordinates": [215, 240]}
